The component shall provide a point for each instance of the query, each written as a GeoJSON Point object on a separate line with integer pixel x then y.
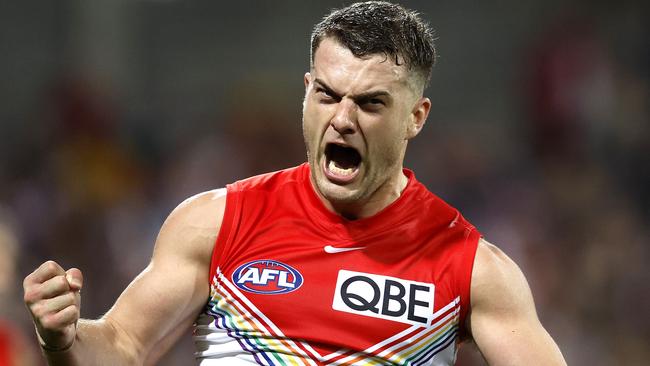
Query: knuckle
{"type": "Point", "coordinates": [28, 297]}
{"type": "Point", "coordinates": [54, 321]}
{"type": "Point", "coordinates": [50, 266]}
{"type": "Point", "coordinates": [71, 313]}
{"type": "Point", "coordinates": [39, 310]}
{"type": "Point", "coordinates": [59, 283]}
{"type": "Point", "coordinates": [67, 315]}
{"type": "Point", "coordinates": [46, 322]}
{"type": "Point", "coordinates": [26, 281]}
{"type": "Point", "coordinates": [35, 309]}
{"type": "Point", "coordinates": [53, 267]}
{"type": "Point", "coordinates": [63, 281]}
{"type": "Point", "coordinates": [70, 298]}
{"type": "Point", "coordinates": [31, 295]}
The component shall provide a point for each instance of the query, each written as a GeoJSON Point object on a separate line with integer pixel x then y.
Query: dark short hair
{"type": "Point", "coordinates": [379, 27]}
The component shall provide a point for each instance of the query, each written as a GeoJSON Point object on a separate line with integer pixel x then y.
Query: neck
{"type": "Point", "coordinates": [381, 198]}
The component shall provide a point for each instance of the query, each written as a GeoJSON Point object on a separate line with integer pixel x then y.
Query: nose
{"type": "Point", "coordinates": [345, 119]}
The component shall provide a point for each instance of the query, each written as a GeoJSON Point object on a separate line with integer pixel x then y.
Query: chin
{"type": "Point", "coordinates": [337, 194]}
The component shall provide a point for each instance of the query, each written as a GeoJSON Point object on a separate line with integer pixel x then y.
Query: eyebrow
{"type": "Point", "coordinates": [358, 97]}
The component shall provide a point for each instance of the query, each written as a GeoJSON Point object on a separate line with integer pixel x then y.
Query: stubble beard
{"type": "Point", "coordinates": [375, 175]}
{"type": "Point", "coordinates": [371, 182]}
{"type": "Point", "coordinates": [336, 195]}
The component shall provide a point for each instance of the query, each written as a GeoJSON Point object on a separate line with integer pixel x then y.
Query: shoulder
{"type": "Point", "coordinates": [203, 209]}
{"type": "Point", "coordinates": [192, 227]}
{"type": "Point", "coordinates": [497, 281]}
{"type": "Point", "coordinates": [495, 274]}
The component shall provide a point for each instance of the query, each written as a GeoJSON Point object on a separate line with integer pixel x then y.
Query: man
{"type": "Point", "coordinates": [344, 260]}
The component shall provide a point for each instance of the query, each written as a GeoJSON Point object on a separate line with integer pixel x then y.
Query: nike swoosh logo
{"type": "Point", "coordinates": [332, 250]}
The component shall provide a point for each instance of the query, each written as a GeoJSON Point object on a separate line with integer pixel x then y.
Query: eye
{"type": "Point", "coordinates": [325, 95]}
{"type": "Point", "coordinates": [372, 104]}
{"type": "Point", "coordinates": [323, 92]}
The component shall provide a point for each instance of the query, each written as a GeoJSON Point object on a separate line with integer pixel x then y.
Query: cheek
{"type": "Point", "coordinates": [318, 112]}
{"type": "Point", "coordinates": [316, 117]}
{"type": "Point", "coordinates": [310, 127]}
{"type": "Point", "coordinates": [385, 142]}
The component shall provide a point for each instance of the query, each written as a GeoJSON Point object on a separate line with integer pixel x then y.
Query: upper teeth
{"type": "Point", "coordinates": [340, 171]}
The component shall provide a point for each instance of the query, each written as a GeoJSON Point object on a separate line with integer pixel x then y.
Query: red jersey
{"type": "Point", "coordinates": [292, 283]}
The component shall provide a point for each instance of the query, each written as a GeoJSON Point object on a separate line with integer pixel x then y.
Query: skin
{"type": "Point", "coordinates": [172, 290]}
{"type": "Point", "coordinates": [502, 319]}
{"type": "Point", "coordinates": [368, 103]}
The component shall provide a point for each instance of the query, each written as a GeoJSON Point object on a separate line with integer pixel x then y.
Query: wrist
{"type": "Point", "coordinates": [50, 349]}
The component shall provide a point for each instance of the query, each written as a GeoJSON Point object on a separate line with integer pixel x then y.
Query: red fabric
{"type": "Point", "coordinates": [279, 217]}
{"type": "Point", "coordinates": [6, 345]}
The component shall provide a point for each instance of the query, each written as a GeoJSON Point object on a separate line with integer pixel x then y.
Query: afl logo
{"type": "Point", "coordinates": [267, 277]}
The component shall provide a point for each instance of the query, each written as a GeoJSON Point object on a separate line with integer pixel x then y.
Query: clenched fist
{"type": "Point", "coordinates": [52, 297]}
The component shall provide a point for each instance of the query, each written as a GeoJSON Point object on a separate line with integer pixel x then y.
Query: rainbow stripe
{"type": "Point", "coordinates": [415, 345]}
{"type": "Point", "coordinates": [255, 334]}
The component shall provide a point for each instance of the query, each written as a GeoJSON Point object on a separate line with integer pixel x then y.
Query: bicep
{"type": "Point", "coordinates": [174, 287]}
{"type": "Point", "coordinates": [503, 320]}
{"type": "Point", "coordinates": [156, 303]}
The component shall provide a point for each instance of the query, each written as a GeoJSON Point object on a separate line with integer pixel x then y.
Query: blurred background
{"type": "Point", "coordinates": [112, 112]}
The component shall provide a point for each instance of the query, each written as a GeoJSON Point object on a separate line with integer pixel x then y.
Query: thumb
{"type": "Point", "coordinates": [75, 278]}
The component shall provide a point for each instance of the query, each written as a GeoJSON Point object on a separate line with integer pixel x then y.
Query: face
{"type": "Point", "coordinates": [358, 115]}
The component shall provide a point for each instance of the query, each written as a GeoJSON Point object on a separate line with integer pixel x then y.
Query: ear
{"type": "Point", "coordinates": [307, 80]}
{"type": "Point", "coordinates": [418, 117]}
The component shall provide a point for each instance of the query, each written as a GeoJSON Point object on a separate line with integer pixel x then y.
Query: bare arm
{"type": "Point", "coordinates": [165, 297]}
{"type": "Point", "coordinates": [503, 320]}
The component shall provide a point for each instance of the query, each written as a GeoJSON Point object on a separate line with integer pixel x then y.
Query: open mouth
{"type": "Point", "coordinates": [341, 163]}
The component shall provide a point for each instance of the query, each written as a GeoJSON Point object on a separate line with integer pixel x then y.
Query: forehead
{"type": "Point", "coordinates": [340, 69]}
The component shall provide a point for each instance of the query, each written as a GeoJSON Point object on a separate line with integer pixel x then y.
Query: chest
{"type": "Point", "coordinates": [338, 295]}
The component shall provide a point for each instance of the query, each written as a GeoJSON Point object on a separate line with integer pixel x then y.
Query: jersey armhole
{"type": "Point", "coordinates": [224, 238]}
{"type": "Point", "coordinates": [465, 276]}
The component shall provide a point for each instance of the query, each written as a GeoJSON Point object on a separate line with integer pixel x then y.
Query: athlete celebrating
{"type": "Point", "coordinates": [344, 260]}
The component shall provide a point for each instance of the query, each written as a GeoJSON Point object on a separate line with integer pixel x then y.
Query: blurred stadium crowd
{"type": "Point", "coordinates": [114, 112]}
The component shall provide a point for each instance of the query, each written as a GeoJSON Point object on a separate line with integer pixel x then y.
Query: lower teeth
{"type": "Point", "coordinates": [340, 171]}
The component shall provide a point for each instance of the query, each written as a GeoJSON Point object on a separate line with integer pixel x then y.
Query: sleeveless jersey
{"type": "Point", "coordinates": [292, 283]}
